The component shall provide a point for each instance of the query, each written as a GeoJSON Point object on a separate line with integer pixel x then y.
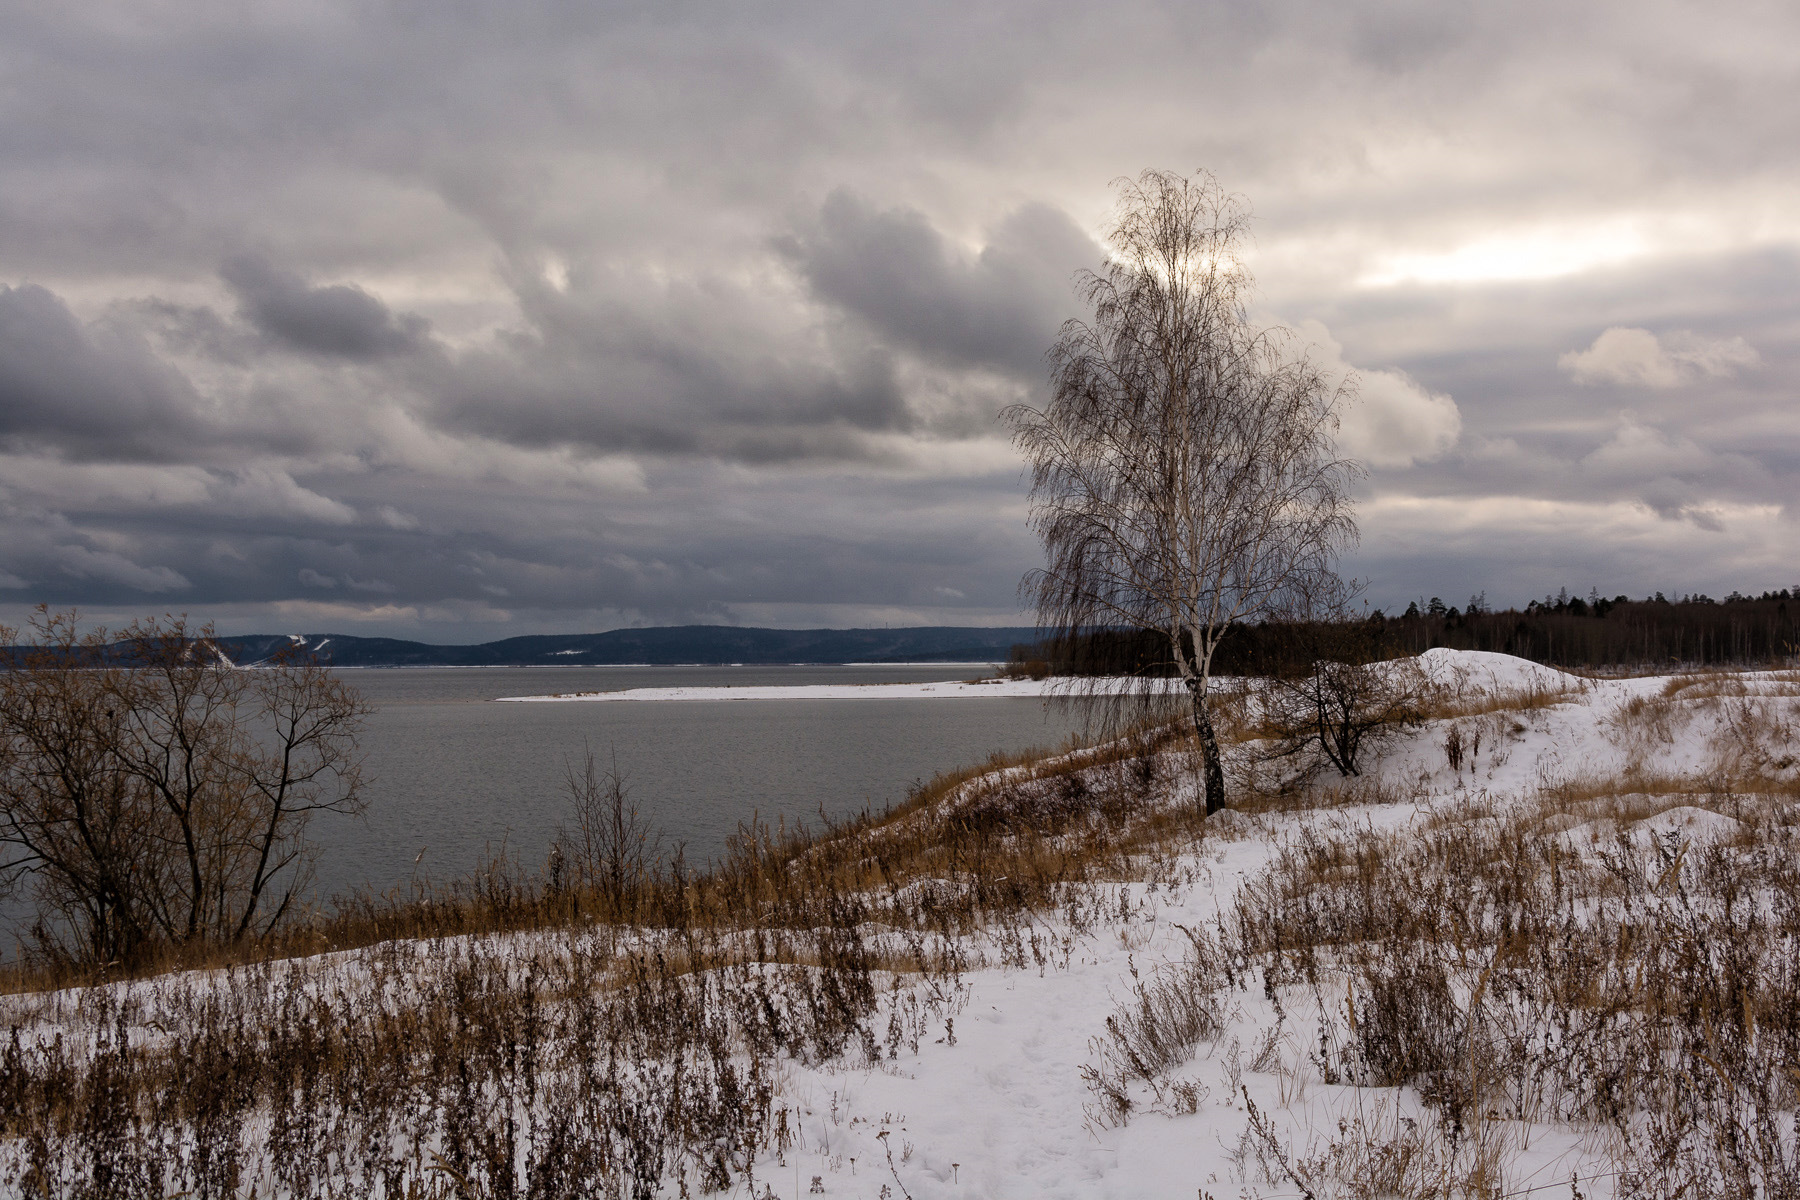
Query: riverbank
{"type": "Point", "coordinates": [1544, 941]}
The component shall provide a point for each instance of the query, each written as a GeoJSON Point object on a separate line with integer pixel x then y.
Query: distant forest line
{"type": "Point", "coordinates": [663, 645]}
{"type": "Point", "coordinates": [1563, 631]}
{"type": "Point", "coordinates": [1560, 631]}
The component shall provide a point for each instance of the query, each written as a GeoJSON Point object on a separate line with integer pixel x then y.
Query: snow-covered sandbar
{"type": "Point", "coordinates": [1456, 671]}
{"type": "Point", "coordinates": [988, 689]}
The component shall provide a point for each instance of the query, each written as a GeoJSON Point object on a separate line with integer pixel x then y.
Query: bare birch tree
{"type": "Point", "coordinates": [1184, 472]}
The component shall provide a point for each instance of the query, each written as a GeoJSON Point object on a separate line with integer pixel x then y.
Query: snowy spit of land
{"type": "Point", "coordinates": [1024, 1083]}
{"type": "Point", "coordinates": [979, 689]}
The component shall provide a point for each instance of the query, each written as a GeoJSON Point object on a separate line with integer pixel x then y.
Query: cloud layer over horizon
{"type": "Point", "coordinates": [458, 324]}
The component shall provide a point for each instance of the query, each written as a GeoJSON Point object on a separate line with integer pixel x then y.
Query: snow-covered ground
{"type": "Point", "coordinates": [1004, 1110]}
{"type": "Point", "coordinates": [997, 1100]}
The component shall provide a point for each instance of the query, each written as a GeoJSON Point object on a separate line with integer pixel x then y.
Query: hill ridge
{"type": "Point", "coordinates": [660, 645]}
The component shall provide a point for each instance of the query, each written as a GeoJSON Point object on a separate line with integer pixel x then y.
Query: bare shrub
{"type": "Point", "coordinates": [1336, 711]}
{"type": "Point", "coordinates": [1167, 1016]}
{"type": "Point", "coordinates": [1497, 972]}
{"type": "Point", "coordinates": [153, 793]}
{"type": "Point", "coordinates": [609, 848]}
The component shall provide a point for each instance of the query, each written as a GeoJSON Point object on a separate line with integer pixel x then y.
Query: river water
{"type": "Point", "coordinates": [453, 777]}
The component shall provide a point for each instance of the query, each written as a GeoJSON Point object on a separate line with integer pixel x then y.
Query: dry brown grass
{"type": "Point", "coordinates": [505, 1036]}
{"type": "Point", "coordinates": [593, 1046]}
{"type": "Point", "coordinates": [1448, 704]}
{"type": "Point", "coordinates": [1699, 685]}
{"type": "Point", "coordinates": [1643, 988]}
{"type": "Point", "coordinates": [1547, 959]}
{"type": "Point", "coordinates": [1752, 726]}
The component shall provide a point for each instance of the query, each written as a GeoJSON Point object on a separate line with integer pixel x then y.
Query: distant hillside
{"type": "Point", "coordinates": [659, 646]}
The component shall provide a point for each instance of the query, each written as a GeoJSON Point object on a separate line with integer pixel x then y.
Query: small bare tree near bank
{"type": "Point", "coordinates": [1346, 700]}
{"type": "Point", "coordinates": [609, 848]}
{"type": "Point", "coordinates": [154, 793]}
{"type": "Point", "coordinates": [1184, 474]}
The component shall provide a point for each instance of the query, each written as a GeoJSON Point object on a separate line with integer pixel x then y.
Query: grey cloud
{"type": "Point", "coordinates": [337, 320]}
{"type": "Point", "coordinates": [999, 307]}
{"type": "Point", "coordinates": [109, 566]}
{"type": "Point", "coordinates": [687, 372]}
{"type": "Point", "coordinates": [88, 390]}
{"type": "Point", "coordinates": [1675, 500]}
{"type": "Point", "coordinates": [692, 548]}
{"type": "Point", "coordinates": [316, 579]}
{"type": "Point", "coordinates": [191, 330]}
{"type": "Point", "coordinates": [709, 406]}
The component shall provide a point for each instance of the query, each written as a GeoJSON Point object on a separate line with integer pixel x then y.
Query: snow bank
{"type": "Point", "coordinates": [1484, 670]}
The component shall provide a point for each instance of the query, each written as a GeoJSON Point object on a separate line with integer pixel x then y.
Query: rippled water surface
{"type": "Point", "coordinates": [453, 775]}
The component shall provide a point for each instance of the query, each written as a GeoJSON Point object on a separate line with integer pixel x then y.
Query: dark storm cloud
{"type": "Point", "coordinates": [338, 320]}
{"type": "Point", "coordinates": [610, 377]}
{"type": "Point", "coordinates": [999, 307]}
{"type": "Point", "coordinates": [621, 361]}
{"type": "Point", "coordinates": [563, 314]}
{"type": "Point", "coordinates": [616, 362]}
{"type": "Point", "coordinates": [91, 392]}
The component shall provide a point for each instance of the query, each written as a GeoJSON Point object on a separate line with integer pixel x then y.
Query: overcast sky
{"type": "Point", "coordinates": [460, 321]}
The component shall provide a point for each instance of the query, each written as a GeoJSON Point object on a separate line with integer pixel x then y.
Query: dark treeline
{"type": "Point", "coordinates": [1563, 631]}
{"type": "Point", "coordinates": [660, 645]}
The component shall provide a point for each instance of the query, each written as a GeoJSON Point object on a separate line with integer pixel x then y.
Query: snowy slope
{"type": "Point", "coordinates": [997, 1100]}
{"type": "Point", "coordinates": [1004, 1112]}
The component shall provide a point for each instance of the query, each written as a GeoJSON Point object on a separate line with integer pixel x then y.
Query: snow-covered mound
{"type": "Point", "coordinates": [1484, 670]}
{"type": "Point", "coordinates": [1689, 823]}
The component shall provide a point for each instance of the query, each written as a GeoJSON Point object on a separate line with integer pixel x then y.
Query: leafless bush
{"type": "Point", "coordinates": [609, 848]}
{"type": "Point", "coordinates": [1334, 712]}
{"type": "Point", "coordinates": [151, 793]}
{"type": "Point", "coordinates": [1378, 1154]}
{"type": "Point", "coordinates": [1167, 1016]}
